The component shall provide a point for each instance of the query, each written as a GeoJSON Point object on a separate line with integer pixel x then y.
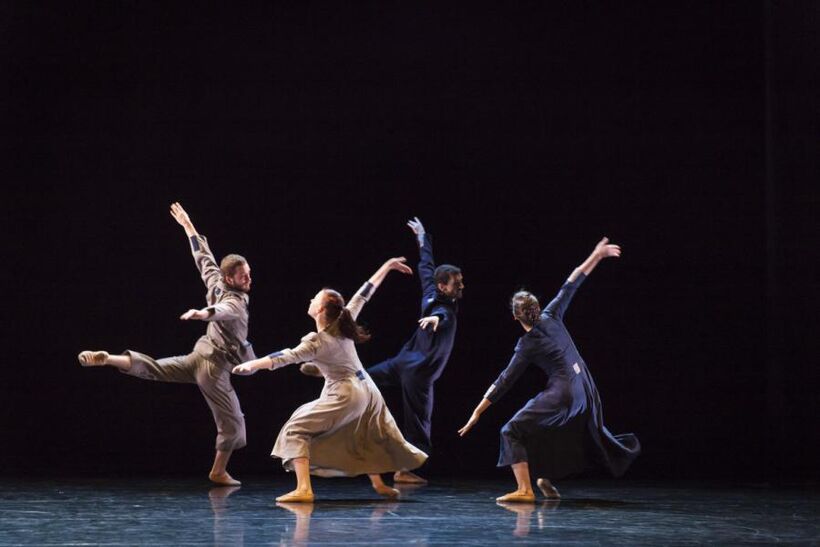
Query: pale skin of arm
{"type": "Point", "coordinates": [182, 218]}
{"type": "Point", "coordinates": [266, 363]}
{"type": "Point", "coordinates": [602, 250]}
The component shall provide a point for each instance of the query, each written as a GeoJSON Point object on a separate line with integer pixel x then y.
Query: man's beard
{"type": "Point", "coordinates": [238, 288]}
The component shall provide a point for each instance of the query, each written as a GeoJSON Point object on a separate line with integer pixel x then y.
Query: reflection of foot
{"type": "Point", "coordinates": [551, 505]}
{"type": "Point", "coordinates": [517, 497]}
{"type": "Point", "coordinates": [518, 508]}
{"type": "Point", "coordinates": [93, 358]}
{"type": "Point", "coordinates": [549, 491]}
{"type": "Point", "coordinates": [381, 508]}
{"type": "Point", "coordinates": [524, 516]}
{"type": "Point", "coordinates": [218, 496]}
{"type": "Point", "coordinates": [220, 492]}
{"type": "Point", "coordinates": [223, 479]}
{"type": "Point", "coordinates": [296, 496]}
{"type": "Point", "coordinates": [386, 491]}
{"type": "Point", "coordinates": [405, 488]}
{"type": "Point", "coordinates": [406, 477]}
{"type": "Point", "coordinates": [298, 509]}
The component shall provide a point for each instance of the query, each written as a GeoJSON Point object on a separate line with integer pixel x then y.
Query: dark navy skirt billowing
{"type": "Point", "coordinates": [560, 432]}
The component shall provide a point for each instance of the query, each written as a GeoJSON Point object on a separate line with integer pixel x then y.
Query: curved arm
{"type": "Point", "coordinates": [397, 264]}
{"type": "Point", "coordinates": [482, 406]}
{"type": "Point", "coordinates": [602, 250]}
{"type": "Point", "coordinates": [366, 291]}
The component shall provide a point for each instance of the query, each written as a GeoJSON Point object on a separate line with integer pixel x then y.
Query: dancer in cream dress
{"type": "Point", "coordinates": [348, 430]}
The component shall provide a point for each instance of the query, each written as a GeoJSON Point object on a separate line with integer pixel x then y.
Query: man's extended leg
{"type": "Point", "coordinates": [170, 369]}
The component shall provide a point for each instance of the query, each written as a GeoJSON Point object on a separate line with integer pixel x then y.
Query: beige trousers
{"type": "Point", "coordinates": [213, 381]}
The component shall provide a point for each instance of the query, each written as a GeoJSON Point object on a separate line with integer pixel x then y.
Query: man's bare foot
{"type": "Point", "coordinates": [93, 358]}
{"type": "Point", "coordinates": [386, 491]}
{"type": "Point", "coordinates": [549, 491]}
{"type": "Point", "coordinates": [407, 477]}
{"type": "Point", "coordinates": [223, 478]}
{"type": "Point", "coordinates": [517, 497]}
{"type": "Point", "coordinates": [296, 496]}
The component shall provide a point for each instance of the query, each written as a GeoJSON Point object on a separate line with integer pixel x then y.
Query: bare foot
{"type": "Point", "coordinates": [549, 491]}
{"type": "Point", "coordinates": [93, 358]}
{"type": "Point", "coordinates": [297, 496]}
{"type": "Point", "coordinates": [517, 497]}
{"type": "Point", "coordinates": [406, 477]}
{"type": "Point", "coordinates": [223, 478]}
{"type": "Point", "coordinates": [386, 491]}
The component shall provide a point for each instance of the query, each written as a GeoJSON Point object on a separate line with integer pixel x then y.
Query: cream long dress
{"type": "Point", "coordinates": [348, 430]}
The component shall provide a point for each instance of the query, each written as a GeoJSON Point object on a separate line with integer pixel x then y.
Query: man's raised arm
{"type": "Point", "coordinates": [427, 266]}
{"type": "Point", "coordinates": [204, 259]}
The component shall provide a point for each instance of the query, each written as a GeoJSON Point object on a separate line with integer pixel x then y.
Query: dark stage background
{"type": "Point", "coordinates": [304, 136]}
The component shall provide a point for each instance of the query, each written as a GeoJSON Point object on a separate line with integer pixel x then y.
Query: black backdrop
{"type": "Point", "coordinates": [303, 136]}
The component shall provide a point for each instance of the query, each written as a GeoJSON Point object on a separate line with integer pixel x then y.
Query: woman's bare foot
{"type": "Point", "coordinates": [386, 491]}
{"type": "Point", "coordinates": [518, 496]}
{"type": "Point", "coordinates": [297, 496]}
{"type": "Point", "coordinates": [549, 491]}
{"type": "Point", "coordinates": [406, 477]}
{"type": "Point", "coordinates": [93, 358]}
{"type": "Point", "coordinates": [223, 478]}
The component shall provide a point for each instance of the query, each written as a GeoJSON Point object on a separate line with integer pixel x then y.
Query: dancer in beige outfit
{"type": "Point", "coordinates": [223, 346]}
{"type": "Point", "coordinates": [348, 430]}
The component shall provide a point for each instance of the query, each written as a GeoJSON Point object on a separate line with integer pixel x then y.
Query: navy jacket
{"type": "Point", "coordinates": [427, 352]}
{"type": "Point", "coordinates": [549, 346]}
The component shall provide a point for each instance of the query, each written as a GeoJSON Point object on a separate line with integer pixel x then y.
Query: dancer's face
{"type": "Point", "coordinates": [453, 288]}
{"type": "Point", "coordinates": [241, 278]}
{"type": "Point", "coordinates": [316, 304]}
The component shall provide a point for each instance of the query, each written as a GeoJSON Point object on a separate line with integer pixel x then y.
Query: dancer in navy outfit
{"type": "Point", "coordinates": [423, 358]}
{"type": "Point", "coordinates": [561, 430]}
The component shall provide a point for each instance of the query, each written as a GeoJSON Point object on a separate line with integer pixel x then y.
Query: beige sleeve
{"type": "Point", "coordinates": [305, 351]}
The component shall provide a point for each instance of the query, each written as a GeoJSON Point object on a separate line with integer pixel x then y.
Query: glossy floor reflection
{"type": "Point", "coordinates": [191, 512]}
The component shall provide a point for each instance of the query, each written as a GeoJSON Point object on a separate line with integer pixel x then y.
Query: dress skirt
{"type": "Point", "coordinates": [347, 431]}
{"type": "Point", "coordinates": [561, 432]}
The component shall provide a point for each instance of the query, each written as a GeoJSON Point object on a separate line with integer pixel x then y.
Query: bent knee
{"type": "Point", "coordinates": [232, 436]}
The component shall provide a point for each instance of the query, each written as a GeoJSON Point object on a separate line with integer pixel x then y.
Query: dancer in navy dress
{"type": "Point", "coordinates": [561, 430]}
{"type": "Point", "coordinates": [423, 358]}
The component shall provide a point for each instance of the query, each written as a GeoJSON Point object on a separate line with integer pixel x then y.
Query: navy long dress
{"type": "Point", "coordinates": [423, 358]}
{"type": "Point", "coordinates": [561, 430]}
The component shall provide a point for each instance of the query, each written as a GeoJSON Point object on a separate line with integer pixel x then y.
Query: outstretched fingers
{"type": "Point", "coordinates": [415, 225]}
{"type": "Point", "coordinates": [399, 265]}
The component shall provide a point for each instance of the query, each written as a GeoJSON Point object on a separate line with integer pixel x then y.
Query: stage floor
{"type": "Point", "coordinates": [191, 512]}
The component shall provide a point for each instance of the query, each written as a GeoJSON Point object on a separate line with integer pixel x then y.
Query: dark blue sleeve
{"type": "Point", "coordinates": [518, 364]}
{"type": "Point", "coordinates": [559, 304]}
{"type": "Point", "coordinates": [444, 314]}
{"type": "Point", "coordinates": [427, 268]}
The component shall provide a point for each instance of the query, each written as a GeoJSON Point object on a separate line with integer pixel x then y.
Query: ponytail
{"type": "Point", "coordinates": [335, 310]}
